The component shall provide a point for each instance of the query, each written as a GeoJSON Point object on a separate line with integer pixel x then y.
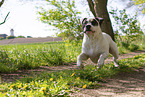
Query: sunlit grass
{"type": "Point", "coordinates": [61, 83]}
{"type": "Point", "coordinates": [29, 56]}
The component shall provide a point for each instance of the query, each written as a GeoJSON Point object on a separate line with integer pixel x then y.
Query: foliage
{"type": "Point", "coordinates": [29, 36]}
{"type": "Point", "coordinates": [1, 38]}
{"type": "Point", "coordinates": [5, 17]}
{"type": "Point", "coordinates": [63, 17]}
{"type": "Point", "coordinates": [129, 27]}
{"type": "Point", "coordinates": [141, 3]}
{"type": "Point", "coordinates": [21, 36]}
{"type": "Point", "coordinates": [11, 37]}
{"type": "Point", "coordinates": [61, 83]}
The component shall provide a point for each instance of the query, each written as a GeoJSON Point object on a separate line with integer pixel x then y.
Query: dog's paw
{"type": "Point", "coordinates": [100, 66]}
{"type": "Point", "coordinates": [116, 65]}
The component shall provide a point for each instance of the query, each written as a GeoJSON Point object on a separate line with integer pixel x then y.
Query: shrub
{"type": "Point", "coordinates": [133, 47]}
{"type": "Point", "coordinates": [21, 36]}
{"type": "Point", "coordinates": [11, 37]}
{"type": "Point", "coordinates": [127, 30]}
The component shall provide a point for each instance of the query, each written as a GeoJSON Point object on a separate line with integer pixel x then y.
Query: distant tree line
{"type": "Point", "coordinates": [12, 37]}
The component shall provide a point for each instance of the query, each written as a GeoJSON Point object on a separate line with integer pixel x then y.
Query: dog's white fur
{"type": "Point", "coordinates": [97, 46]}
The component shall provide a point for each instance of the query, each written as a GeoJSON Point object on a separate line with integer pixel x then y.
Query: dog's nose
{"type": "Point", "coordinates": [88, 27]}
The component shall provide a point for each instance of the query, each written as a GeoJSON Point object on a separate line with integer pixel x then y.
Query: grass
{"type": "Point", "coordinates": [16, 57]}
{"type": "Point", "coordinates": [126, 46]}
{"type": "Point", "coordinates": [30, 56]}
{"type": "Point", "coordinates": [58, 83]}
{"type": "Point", "coordinates": [61, 83]}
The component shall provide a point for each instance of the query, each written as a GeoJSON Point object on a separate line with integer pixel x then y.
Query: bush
{"type": "Point", "coordinates": [21, 36]}
{"type": "Point", "coordinates": [128, 31]}
{"type": "Point", "coordinates": [29, 36]}
{"type": "Point", "coordinates": [133, 47]}
{"type": "Point", "coordinates": [11, 37]}
{"type": "Point", "coordinates": [1, 38]}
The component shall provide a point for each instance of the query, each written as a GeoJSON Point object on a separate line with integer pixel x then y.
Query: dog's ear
{"type": "Point", "coordinates": [100, 20]}
{"type": "Point", "coordinates": [84, 20]}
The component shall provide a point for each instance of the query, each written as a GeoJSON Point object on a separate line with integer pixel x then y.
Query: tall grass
{"type": "Point", "coordinates": [14, 57]}
{"type": "Point", "coordinates": [125, 47]}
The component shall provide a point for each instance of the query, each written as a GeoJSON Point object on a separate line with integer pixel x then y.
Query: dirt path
{"type": "Point", "coordinates": [127, 85]}
{"type": "Point", "coordinates": [123, 85]}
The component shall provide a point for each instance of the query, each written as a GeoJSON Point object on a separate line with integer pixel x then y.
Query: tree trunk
{"type": "Point", "coordinates": [100, 9]}
{"type": "Point", "coordinates": [91, 5]}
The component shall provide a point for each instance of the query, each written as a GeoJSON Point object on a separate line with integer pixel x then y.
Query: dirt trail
{"type": "Point", "coordinates": [127, 85]}
{"type": "Point", "coordinates": [123, 85]}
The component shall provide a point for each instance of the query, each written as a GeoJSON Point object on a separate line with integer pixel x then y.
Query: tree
{"type": "Point", "coordinates": [99, 9]}
{"type": "Point", "coordinates": [64, 16]}
{"type": "Point", "coordinates": [141, 3]}
{"type": "Point", "coordinates": [127, 24]}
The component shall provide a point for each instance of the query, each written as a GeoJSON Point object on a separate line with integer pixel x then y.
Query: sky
{"type": "Point", "coordinates": [23, 17]}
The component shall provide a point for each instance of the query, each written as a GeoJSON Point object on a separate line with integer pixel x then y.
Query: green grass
{"type": "Point", "coordinates": [29, 56]}
{"type": "Point", "coordinates": [125, 45]}
{"type": "Point", "coordinates": [61, 83]}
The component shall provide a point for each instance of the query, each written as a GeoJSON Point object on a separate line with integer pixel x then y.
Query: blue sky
{"type": "Point", "coordinates": [23, 17]}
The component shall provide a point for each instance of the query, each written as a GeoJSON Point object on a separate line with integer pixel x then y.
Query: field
{"type": "Point", "coordinates": [19, 57]}
{"type": "Point", "coordinates": [29, 40]}
{"type": "Point", "coordinates": [28, 56]}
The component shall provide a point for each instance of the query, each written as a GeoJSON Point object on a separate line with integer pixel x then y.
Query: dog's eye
{"type": "Point", "coordinates": [86, 22]}
{"type": "Point", "coordinates": [94, 23]}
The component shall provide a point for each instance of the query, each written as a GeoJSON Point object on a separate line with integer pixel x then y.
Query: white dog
{"type": "Point", "coordinates": [96, 44]}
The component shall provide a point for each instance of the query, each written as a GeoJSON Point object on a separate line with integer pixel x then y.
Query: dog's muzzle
{"type": "Point", "coordinates": [88, 29]}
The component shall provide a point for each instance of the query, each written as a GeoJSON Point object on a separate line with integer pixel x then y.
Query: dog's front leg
{"type": "Point", "coordinates": [81, 57]}
{"type": "Point", "coordinates": [102, 58]}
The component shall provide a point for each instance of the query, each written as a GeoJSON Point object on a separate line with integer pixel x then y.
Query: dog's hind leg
{"type": "Point", "coordinates": [114, 51]}
{"type": "Point", "coordinates": [80, 58]}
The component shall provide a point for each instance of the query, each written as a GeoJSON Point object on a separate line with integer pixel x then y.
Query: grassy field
{"type": "Point", "coordinates": [58, 83]}
{"type": "Point", "coordinates": [29, 56]}
{"type": "Point", "coordinates": [61, 83]}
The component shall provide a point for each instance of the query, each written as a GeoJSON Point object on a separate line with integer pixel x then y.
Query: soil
{"type": "Point", "coordinates": [29, 40]}
{"type": "Point", "coordinates": [127, 85]}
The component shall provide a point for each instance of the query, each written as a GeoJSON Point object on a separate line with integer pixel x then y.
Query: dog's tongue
{"type": "Point", "coordinates": [88, 32]}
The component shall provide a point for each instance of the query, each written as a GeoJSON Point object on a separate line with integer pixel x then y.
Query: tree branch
{"type": "Point", "coordinates": [1, 3]}
{"type": "Point", "coordinates": [91, 6]}
{"type": "Point", "coordinates": [5, 19]}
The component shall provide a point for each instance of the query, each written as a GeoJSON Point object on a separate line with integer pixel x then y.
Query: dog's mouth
{"type": "Point", "coordinates": [89, 32]}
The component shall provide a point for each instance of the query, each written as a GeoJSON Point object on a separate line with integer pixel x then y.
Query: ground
{"type": "Point", "coordinates": [127, 85]}
{"type": "Point", "coordinates": [123, 85]}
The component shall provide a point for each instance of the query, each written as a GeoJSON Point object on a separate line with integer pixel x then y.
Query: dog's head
{"type": "Point", "coordinates": [91, 25]}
